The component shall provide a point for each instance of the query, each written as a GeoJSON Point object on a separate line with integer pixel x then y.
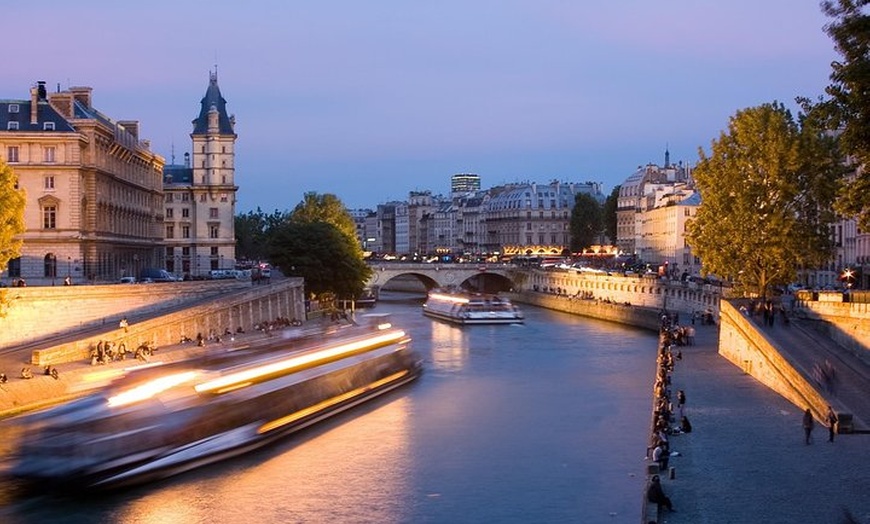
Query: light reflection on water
{"type": "Point", "coordinates": [541, 422]}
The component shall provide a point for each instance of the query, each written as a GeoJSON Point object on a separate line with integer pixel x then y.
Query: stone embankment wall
{"type": "Point", "coordinates": [647, 291]}
{"type": "Point", "coordinates": [749, 349]}
{"type": "Point", "coordinates": [31, 314]}
{"type": "Point", "coordinates": [243, 308]}
{"type": "Point", "coordinates": [847, 323]}
{"type": "Point", "coordinates": [630, 315]}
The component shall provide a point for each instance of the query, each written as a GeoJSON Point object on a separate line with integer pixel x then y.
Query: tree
{"type": "Point", "coordinates": [326, 208]}
{"type": "Point", "coordinates": [848, 108]}
{"type": "Point", "coordinates": [253, 230]}
{"type": "Point", "coordinates": [585, 223]}
{"type": "Point", "coordinates": [12, 202]}
{"type": "Point", "coordinates": [766, 194]}
{"type": "Point", "coordinates": [322, 255]}
{"type": "Point", "coordinates": [608, 213]}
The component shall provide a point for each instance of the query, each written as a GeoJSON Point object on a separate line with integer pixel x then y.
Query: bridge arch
{"type": "Point", "coordinates": [490, 278]}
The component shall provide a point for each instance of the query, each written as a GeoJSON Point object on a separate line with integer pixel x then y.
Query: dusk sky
{"type": "Point", "coordinates": [371, 100]}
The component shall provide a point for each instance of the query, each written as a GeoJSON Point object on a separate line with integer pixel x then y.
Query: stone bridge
{"type": "Point", "coordinates": [490, 278]}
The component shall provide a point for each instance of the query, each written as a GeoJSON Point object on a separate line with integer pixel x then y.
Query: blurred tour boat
{"type": "Point", "coordinates": [162, 420]}
{"type": "Point", "coordinates": [462, 307]}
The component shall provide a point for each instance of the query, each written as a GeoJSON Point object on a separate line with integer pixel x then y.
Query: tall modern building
{"type": "Point", "coordinates": [94, 209]}
{"type": "Point", "coordinates": [463, 183]}
{"type": "Point", "coordinates": [200, 195]}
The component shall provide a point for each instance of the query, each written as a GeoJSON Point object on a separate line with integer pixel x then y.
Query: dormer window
{"type": "Point", "coordinates": [48, 126]}
{"type": "Point", "coordinates": [12, 126]}
{"type": "Point", "coordinates": [13, 108]}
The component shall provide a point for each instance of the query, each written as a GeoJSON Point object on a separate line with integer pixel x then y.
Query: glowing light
{"type": "Point", "coordinates": [320, 406]}
{"type": "Point", "coordinates": [246, 377]}
{"type": "Point", "coordinates": [448, 298]}
{"type": "Point", "coordinates": [151, 388]}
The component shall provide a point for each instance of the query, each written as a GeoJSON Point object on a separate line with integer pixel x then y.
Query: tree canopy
{"type": "Point", "coordinates": [12, 200]}
{"type": "Point", "coordinates": [766, 190]}
{"type": "Point", "coordinates": [848, 108]}
{"type": "Point", "coordinates": [585, 225]}
{"type": "Point", "coordinates": [253, 231]}
{"type": "Point", "coordinates": [608, 214]}
{"type": "Point", "coordinates": [326, 208]}
{"type": "Point", "coordinates": [321, 254]}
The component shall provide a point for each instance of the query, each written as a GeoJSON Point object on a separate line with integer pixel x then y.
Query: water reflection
{"type": "Point", "coordinates": [449, 350]}
{"type": "Point", "coordinates": [545, 422]}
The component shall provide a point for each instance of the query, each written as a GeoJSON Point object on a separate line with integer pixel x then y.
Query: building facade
{"type": "Point", "coordinates": [94, 209]}
{"type": "Point", "coordinates": [200, 195]}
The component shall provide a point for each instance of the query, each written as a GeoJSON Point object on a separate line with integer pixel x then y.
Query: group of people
{"type": "Point", "coordinates": [27, 374]}
{"type": "Point", "coordinates": [668, 407]}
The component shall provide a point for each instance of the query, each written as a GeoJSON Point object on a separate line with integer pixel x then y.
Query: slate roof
{"type": "Point", "coordinates": [211, 99]}
{"type": "Point", "coordinates": [45, 113]}
{"type": "Point", "coordinates": [175, 174]}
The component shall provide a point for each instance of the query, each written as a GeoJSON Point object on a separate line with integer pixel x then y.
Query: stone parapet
{"type": "Point", "coordinates": [749, 349]}
{"type": "Point", "coordinates": [847, 323]}
{"type": "Point", "coordinates": [240, 308]}
{"type": "Point", "coordinates": [31, 314]}
{"type": "Point", "coordinates": [630, 315]}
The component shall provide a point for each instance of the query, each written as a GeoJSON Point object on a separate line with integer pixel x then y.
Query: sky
{"type": "Point", "coordinates": [371, 100]}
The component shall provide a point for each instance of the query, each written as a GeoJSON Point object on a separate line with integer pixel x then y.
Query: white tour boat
{"type": "Point", "coordinates": [463, 307]}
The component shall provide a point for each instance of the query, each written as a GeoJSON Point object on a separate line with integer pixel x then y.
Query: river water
{"type": "Point", "coordinates": [545, 422]}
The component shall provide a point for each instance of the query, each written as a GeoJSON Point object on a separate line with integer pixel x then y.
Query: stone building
{"type": "Point", "coordinates": [94, 209]}
{"type": "Point", "coordinates": [531, 218]}
{"type": "Point", "coordinates": [200, 195]}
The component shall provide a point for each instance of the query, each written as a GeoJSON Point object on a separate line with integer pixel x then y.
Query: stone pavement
{"type": "Point", "coordinates": [745, 460]}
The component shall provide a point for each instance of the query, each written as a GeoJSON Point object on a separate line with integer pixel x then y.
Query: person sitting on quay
{"type": "Point", "coordinates": [656, 494]}
{"type": "Point", "coordinates": [685, 425]}
{"type": "Point", "coordinates": [26, 373]}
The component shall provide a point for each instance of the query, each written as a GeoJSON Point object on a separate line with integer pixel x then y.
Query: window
{"type": "Point", "coordinates": [14, 267]}
{"type": "Point", "coordinates": [170, 213]}
{"type": "Point", "coordinates": [185, 231]}
{"type": "Point", "coordinates": [185, 251]}
{"type": "Point", "coordinates": [12, 126]}
{"type": "Point", "coordinates": [48, 154]}
{"type": "Point", "coordinates": [212, 212]}
{"type": "Point", "coordinates": [185, 197]}
{"type": "Point", "coordinates": [168, 197]}
{"type": "Point", "coordinates": [223, 197]}
{"type": "Point", "coordinates": [185, 212]}
{"type": "Point", "coordinates": [202, 197]}
{"type": "Point", "coordinates": [48, 183]}
{"type": "Point", "coordinates": [50, 267]}
{"type": "Point", "coordinates": [13, 108]}
{"type": "Point", "coordinates": [48, 126]}
{"type": "Point", "coordinates": [170, 251]}
{"type": "Point", "coordinates": [49, 217]}
{"type": "Point", "coordinates": [213, 231]}
{"type": "Point", "coordinates": [213, 250]}
{"type": "Point", "coordinates": [12, 154]}
{"type": "Point", "coordinates": [170, 231]}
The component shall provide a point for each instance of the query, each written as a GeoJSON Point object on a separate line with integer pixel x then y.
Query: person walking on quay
{"type": "Point", "coordinates": [808, 426]}
{"type": "Point", "coordinates": [832, 423]}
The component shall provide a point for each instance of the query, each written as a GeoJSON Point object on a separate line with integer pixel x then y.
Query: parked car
{"type": "Point", "coordinates": [127, 280]}
{"type": "Point", "coordinates": [153, 274]}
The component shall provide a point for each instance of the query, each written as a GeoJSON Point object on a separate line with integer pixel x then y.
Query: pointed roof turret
{"type": "Point", "coordinates": [213, 99]}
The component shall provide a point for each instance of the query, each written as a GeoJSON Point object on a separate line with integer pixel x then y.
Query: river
{"type": "Point", "coordinates": [545, 422]}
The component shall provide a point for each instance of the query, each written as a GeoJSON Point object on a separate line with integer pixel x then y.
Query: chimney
{"type": "Point", "coordinates": [34, 107]}
{"type": "Point", "coordinates": [62, 103]}
{"type": "Point", "coordinates": [132, 127]}
{"type": "Point", "coordinates": [82, 95]}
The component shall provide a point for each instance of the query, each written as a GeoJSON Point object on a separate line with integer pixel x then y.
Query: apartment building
{"type": "Point", "coordinates": [94, 209]}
